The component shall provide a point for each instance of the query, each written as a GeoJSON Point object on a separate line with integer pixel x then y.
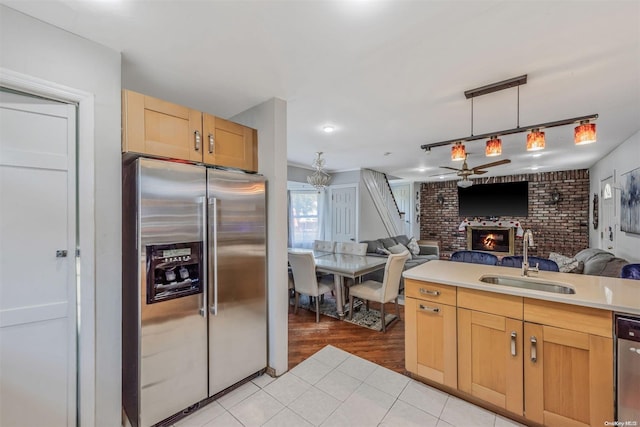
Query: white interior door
{"type": "Point", "coordinates": [608, 224]}
{"type": "Point", "coordinates": [343, 214]}
{"type": "Point", "coordinates": [37, 278]}
{"type": "Point", "coordinates": [402, 194]}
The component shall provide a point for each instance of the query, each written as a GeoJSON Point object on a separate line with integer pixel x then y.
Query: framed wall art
{"type": "Point", "coordinates": [630, 202]}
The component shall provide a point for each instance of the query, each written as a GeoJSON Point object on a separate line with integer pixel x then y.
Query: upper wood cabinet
{"type": "Point", "coordinates": [229, 144]}
{"type": "Point", "coordinates": [159, 128]}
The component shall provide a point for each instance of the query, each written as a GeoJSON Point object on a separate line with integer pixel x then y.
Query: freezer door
{"type": "Point", "coordinates": [173, 336]}
{"type": "Point", "coordinates": [237, 277]}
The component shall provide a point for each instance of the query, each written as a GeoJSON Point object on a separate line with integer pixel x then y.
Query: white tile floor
{"type": "Point", "coordinates": [334, 388]}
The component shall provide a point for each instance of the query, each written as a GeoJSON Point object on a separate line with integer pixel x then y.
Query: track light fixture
{"type": "Point", "coordinates": [584, 132]}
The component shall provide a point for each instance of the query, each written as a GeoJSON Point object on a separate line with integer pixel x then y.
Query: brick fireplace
{"type": "Point", "coordinates": [495, 240]}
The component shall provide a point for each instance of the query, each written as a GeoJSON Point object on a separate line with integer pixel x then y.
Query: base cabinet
{"type": "Point", "coordinates": [430, 332]}
{"type": "Point", "coordinates": [490, 348]}
{"type": "Point", "coordinates": [490, 358]}
{"type": "Point", "coordinates": [568, 373]}
{"type": "Point", "coordinates": [549, 362]}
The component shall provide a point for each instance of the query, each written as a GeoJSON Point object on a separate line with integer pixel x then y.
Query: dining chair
{"type": "Point", "coordinates": [630, 271]}
{"type": "Point", "coordinates": [324, 245]}
{"type": "Point", "coordinates": [303, 267]}
{"type": "Point", "coordinates": [351, 248]}
{"type": "Point", "coordinates": [474, 257]}
{"type": "Point", "coordinates": [387, 291]}
{"type": "Point", "coordinates": [543, 264]}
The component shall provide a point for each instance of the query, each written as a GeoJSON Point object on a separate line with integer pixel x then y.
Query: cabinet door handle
{"type": "Point", "coordinates": [428, 292]}
{"type": "Point", "coordinates": [534, 349]}
{"type": "Point", "coordinates": [197, 140]}
{"type": "Point", "coordinates": [430, 309]}
{"type": "Point", "coordinates": [513, 343]}
{"type": "Point", "coordinates": [211, 143]}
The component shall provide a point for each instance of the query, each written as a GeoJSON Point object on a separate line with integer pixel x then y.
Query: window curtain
{"type": "Point", "coordinates": [306, 208]}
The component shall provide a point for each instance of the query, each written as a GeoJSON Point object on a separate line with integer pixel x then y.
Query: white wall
{"type": "Point", "coordinates": [270, 119]}
{"type": "Point", "coordinates": [37, 49]}
{"type": "Point", "coordinates": [623, 159]}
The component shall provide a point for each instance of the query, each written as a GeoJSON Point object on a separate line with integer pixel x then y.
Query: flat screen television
{"type": "Point", "coordinates": [500, 199]}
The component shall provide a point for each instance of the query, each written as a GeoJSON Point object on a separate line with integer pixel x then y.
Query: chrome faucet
{"type": "Point", "coordinates": [527, 240]}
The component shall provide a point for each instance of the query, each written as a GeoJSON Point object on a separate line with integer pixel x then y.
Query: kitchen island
{"type": "Point", "coordinates": [541, 357]}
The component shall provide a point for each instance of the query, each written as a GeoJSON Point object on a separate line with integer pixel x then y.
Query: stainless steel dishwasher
{"type": "Point", "coordinates": [628, 369]}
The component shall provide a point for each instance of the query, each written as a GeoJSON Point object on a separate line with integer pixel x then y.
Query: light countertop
{"type": "Point", "coordinates": [620, 295]}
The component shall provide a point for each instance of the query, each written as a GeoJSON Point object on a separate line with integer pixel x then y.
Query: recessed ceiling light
{"type": "Point", "coordinates": [422, 169]}
{"type": "Point", "coordinates": [537, 155]}
{"type": "Point", "coordinates": [328, 128]}
{"type": "Point", "coordinates": [535, 168]}
{"type": "Point", "coordinates": [441, 177]}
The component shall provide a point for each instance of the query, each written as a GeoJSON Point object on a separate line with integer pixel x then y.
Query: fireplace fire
{"type": "Point", "coordinates": [496, 240]}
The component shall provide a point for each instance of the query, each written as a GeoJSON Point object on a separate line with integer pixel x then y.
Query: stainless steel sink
{"type": "Point", "coordinates": [529, 283]}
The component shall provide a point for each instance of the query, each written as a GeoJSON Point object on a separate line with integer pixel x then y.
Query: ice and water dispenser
{"type": "Point", "coordinates": [173, 271]}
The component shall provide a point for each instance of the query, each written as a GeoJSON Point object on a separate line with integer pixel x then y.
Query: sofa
{"type": "Point", "coordinates": [420, 253]}
{"type": "Point", "coordinates": [592, 261]}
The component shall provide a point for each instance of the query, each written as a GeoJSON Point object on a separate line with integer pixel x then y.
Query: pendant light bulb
{"type": "Point", "coordinates": [458, 152]}
{"type": "Point", "coordinates": [494, 147]}
{"type": "Point", "coordinates": [584, 133]}
{"type": "Point", "coordinates": [535, 140]}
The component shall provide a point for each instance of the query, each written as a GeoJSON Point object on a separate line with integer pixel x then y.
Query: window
{"type": "Point", "coordinates": [305, 218]}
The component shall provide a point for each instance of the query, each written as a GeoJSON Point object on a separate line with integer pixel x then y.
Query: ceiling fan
{"type": "Point", "coordinates": [465, 172]}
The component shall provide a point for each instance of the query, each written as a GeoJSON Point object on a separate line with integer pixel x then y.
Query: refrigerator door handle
{"type": "Point", "coordinates": [213, 309]}
{"type": "Point", "coordinates": [205, 264]}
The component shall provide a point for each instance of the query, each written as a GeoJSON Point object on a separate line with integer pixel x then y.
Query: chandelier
{"type": "Point", "coordinates": [319, 179]}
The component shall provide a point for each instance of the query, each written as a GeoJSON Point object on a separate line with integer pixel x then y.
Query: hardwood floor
{"type": "Point", "coordinates": [307, 337]}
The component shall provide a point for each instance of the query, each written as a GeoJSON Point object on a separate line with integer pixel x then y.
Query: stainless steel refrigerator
{"type": "Point", "coordinates": [194, 313]}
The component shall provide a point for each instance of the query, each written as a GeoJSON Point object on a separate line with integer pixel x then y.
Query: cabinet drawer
{"type": "Point", "coordinates": [583, 319]}
{"type": "Point", "coordinates": [430, 291]}
{"type": "Point", "coordinates": [489, 302]}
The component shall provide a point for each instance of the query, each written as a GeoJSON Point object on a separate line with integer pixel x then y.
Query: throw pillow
{"type": "Point", "coordinates": [402, 239]}
{"type": "Point", "coordinates": [565, 263]}
{"type": "Point", "coordinates": [413, 247]}
{"type": "Point", "coordinates": [388, 242]}
{"type": "Point", "coordinates": [382, 251]}
{"type": "Point", "coordinates": [399, 249]}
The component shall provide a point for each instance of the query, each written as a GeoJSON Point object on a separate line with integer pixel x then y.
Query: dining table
{"type": "Point", "coordinates": [343, 266]}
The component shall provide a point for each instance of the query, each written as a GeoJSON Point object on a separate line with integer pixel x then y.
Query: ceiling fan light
{"type": "Point", "coordinates": [458, 152]}
{"type": "Point", "coordinates": [584, 133]}
{"type": "Point", "coordinates": [535, 140]}
{"type": "Point", "coordinates": [494, 147]}
{"type": "Point", "coordinates": [465, 183]}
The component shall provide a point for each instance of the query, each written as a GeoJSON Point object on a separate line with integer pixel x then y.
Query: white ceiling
{"type": "Point", "coordinates": [389, 75]}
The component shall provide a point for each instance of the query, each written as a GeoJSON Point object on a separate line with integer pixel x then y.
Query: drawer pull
{"type": "Point", "coordinates": [428, 292]}
{"type": "Point", "coordinates": [430, 309]}
{"type": "Point", "coordinates": [513, 343]}
{"type": "Point", "coordinates": [534, 350]}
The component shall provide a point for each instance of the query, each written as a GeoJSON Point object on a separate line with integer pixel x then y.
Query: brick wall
{"type": "Point", "coordinates": [561, 227]}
